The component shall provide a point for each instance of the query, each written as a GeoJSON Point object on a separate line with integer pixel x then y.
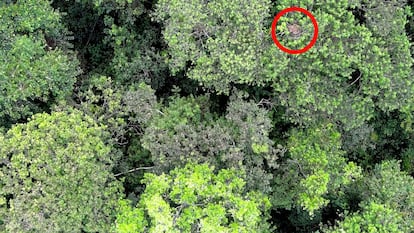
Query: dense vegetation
{"type": "Point", "coordinates": [183, 116]}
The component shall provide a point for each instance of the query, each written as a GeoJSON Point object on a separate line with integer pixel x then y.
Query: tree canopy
{"type": "Point", "coordinates": [186, 116]}
{"type": "Point", "coordinates": [195, 199]}
{"type": "Point", "coordinates": [35, 70]}
{"type": "Point", "coordinates": [56, 175]}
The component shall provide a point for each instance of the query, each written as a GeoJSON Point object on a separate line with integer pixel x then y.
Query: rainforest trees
{"type": "Point", "coordinates": [56, 175]}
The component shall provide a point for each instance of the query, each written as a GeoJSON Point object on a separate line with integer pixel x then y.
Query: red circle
{"type": "Point", "coordinates": [315, 34]}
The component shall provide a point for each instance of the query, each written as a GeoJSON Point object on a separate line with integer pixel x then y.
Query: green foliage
{"type": "Point", "coordinates": [382, 139]}
{"type": "Point", "coordinates": [134, 156]}
{"type": "Point", "coordinates": [391, 187]}
{"type": "Point", "coordinates": [136, 57]}
{"type": "Point", "coordinates": [317, 166]}
{"type": "Point", "coordinates": [123, 42]}
{"type": "Point", "coordinates": [31, 76]}
{"type": "Point", "coordinates": [224, 41]}
{"type": "Point", "coordinates": [294, 30]}
{"type": "Point", "coordinates": [359, 142]}
{"type": "Point", "coordinates": [86, 25]}
{"type": "Point", "coordinates": [130, 219]}
{"type": "Point", "coordinates": [177, 135]}
{"type": "Point", "coordinates": [121, 110]}
{"type": "Point", "coordinates": [181, 111]}
{"type": "Point", "coordinates": [195, 199]}
{"type": "Point", "coordinates": [387, 202]}
{"type": "Point", "coordinates": [125, 113]}
{"type": "Point", "coordinates": [56, 175]}
{"type": "Point", "coordinates": [387, 20]}
{"type": "Point", "coordinates": [349, 98]}
{"type": "Point", "coordinates": [408, 160]}
{"type": "Point", "coordinates": [134, 7]}
{"type": "Point", "coordinates": [345, 76]}
{"type": "Point", "coordinates": [301, 220]}
{"type": "Point", "coordinates": [186, 131]}
{"type": "Point", "coordinates": [33, 17]}
{"type": "Point", "coordinates": [350, 71]}
{"type": "Point", "coordinates": [374, 218]}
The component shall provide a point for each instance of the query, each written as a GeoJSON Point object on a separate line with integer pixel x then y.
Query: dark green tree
{"type": "Point", "coordinates": [35, 68]}
{"type": "Point", "coordinates": [117, 38]}
{"type": "Point", "coordinates": [221, 43]}
{"type": "Point", "coordinates": [137, 57]}
{"type": "Point", "coordinates": [353, 68]}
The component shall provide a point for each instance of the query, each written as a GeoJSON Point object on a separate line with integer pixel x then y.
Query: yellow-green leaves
{"type": "Point", "coordinates": [260, 148]}
{"type": "Point", "coordinates": [316, 154]}
{"type": "Point", "coordinates": [56, 175]}
{"type": "Point", "coordinates": [374, 218]}
{"type": "Point", "coordinates": [130, 219]}
{"type": "Point", "coordinates": [315, 186]}
{"type": "Point", "coordinates": [195, 197]}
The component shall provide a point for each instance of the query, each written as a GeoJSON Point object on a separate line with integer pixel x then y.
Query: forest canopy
{"type": "Point", "coordinates": [184, 116]}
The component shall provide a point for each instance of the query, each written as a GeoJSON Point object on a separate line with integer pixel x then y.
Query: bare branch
{"type": "Point", "coordinates": [133, 170]}
{"type": "Point", "coordinates": [356, 80]}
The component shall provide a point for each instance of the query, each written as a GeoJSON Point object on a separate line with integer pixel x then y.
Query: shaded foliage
{"type": "Point", "coordinates": [187, 131]}
{"type": "Point", "coordinates": [32, 73]}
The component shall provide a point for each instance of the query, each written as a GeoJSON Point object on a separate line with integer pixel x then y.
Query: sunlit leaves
{"type": "Point", "coordinates": [195, 199]}
{"type": "Point", "coordinates": [372, 219]}
{"type": "Point", "coordinates": [316, 154]}
{"type": "Point", "coordinates": [56, 175]}
{"type": "Point", "coordinates": [130, 219]}
{"type": "Point", "coordinates": [392, 187]}
{"type": "Point", "coordinates": [352, 69]}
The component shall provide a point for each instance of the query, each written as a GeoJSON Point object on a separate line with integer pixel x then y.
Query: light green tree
{"type": "Point", "coordinates": [195, 199]}
{"type": "Point", "coordinates": [388, 185]}
{"type": "Point", "coordinates": [56, 175]}
{"type": "Point", "coordinates": [315, 168]}
{"type": "Point", "coordinates": [374, 218]}
{"type": "Point", "coordinates": [354, 68]}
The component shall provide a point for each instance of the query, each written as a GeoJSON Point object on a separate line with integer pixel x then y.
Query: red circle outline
{"type": "Point", "coordinates": [315, 34]}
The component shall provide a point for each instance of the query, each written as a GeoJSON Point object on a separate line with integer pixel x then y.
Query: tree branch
{"type": "Point", "coordinates": [356, 80]}
{"type": "Point", "coordinates": [133, 170]}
